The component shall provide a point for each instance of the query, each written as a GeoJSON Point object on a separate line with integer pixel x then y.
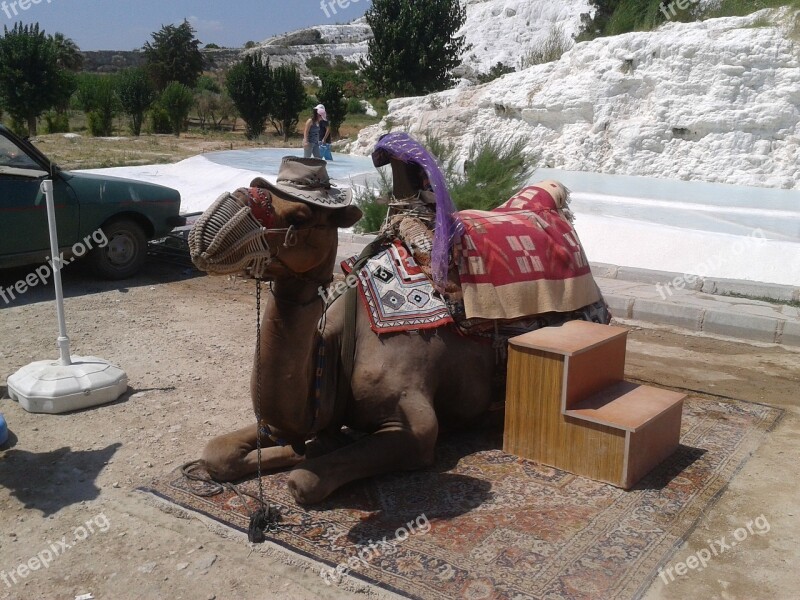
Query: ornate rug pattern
{"type": "Point", "coordinates": [484, 524]}
{"type": "Point", "coordinates": [397, 294]}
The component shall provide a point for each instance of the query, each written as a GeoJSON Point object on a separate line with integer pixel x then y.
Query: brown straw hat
{"type": "Point", "coordinates": [307, 180]}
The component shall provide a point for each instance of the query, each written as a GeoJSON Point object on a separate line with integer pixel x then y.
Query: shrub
{"type": "Point", "coordinates": [98, 98]}
{"type": "Point", "coordinates": [496, 71]}
{"type": "Point", "coordinates": [177, 100]}
{"type": "Point", "coordinates": [56, 122]}
{"type": "Point", "coordinates": [367, 200]}
{"type": "Point", "coordinates": [250, 86]}
{"type": "Point", "coordinates": [136, 96]}
{"type": "Point", "coordinates": [159, 120]}
{"type": "Point", "coordinates": [494, 172]}
{"type": "Point", "coordinates": [550, 49]}
{"type": "Point", "coordinates": [332, 96]}
{"type": "Point", "coordinates": [354, 107]}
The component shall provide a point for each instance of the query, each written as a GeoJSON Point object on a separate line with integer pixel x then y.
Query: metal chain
{"type": "Point", "coordinates": [258, 389]}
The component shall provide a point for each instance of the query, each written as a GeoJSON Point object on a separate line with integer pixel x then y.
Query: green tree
{"type": "Point", "coordinates": [250, 87]}
{"type": "Point", "coordinates": [414, 48]}
{"type": "Point", "coordinates": [136, 95]}
{"type": "Point", "coordinates": [98, 98]}
{"type": "Point", "coordinates": [289, 98]}
{"type": "Point", "coordinates": [68, 55]}
{"type": "Point", "coordinates": [332, 96]}
{"type": "Point", "coordinates": [174, 55]}
{"type": "Point", "coordinates": [177, 100]}
{"type": "Point", "coordinates": [31, 81]}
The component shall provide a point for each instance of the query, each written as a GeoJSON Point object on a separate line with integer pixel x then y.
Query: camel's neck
{"type": "Point", "coordinates": [287, 364]}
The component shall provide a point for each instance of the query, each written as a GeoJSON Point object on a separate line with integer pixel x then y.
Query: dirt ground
{"type": "Point", "coordinates": [186, 342]}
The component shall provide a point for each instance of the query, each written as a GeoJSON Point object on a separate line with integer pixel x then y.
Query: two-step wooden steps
{"type": "Point", "coordinates": [568, 405]}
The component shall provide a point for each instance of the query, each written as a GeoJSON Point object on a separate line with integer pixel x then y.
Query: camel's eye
{"type": "Point", "coordinates": [300, 218]}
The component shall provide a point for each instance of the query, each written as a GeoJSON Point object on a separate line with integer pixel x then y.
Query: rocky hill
{"type": "Point", "coordinates": [716, 100]}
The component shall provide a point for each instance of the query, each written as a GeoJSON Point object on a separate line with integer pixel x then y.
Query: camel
{"type": "Point", "coordinates": [404, 387]}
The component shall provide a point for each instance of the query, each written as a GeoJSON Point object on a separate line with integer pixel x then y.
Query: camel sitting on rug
{"type": "Point", "coordinates": [404, 386]}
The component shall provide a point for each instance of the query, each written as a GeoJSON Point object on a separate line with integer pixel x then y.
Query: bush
{"type": "Point", "coordinates": [98, 98]}
{"type": "Point", "coordinates": [495, 171]}
{"type": "Point", "coordinates": [366, 199]}
{"type": "Point", "coordinates": [159, 120]}
{"type": "Point", "coordinates": [250, 87]}
{"type": "Point", "coordinates": [550, 49]}
{"type": "Point", "coordinates": [354, 107]}
{"type": "Point", "coordinates": [56, 122]}
{"type": "Point", "coordinates": [136, 96]}
{"type": "Point", "coordinates": [100, 124]}
{"type": "Point", "coordinates": [496, 71]}
{"type": "Point", "coordinates": [177, 100]}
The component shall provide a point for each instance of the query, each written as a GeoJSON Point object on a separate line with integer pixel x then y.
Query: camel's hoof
{"type": "Point", "coordinates": [305, 487]}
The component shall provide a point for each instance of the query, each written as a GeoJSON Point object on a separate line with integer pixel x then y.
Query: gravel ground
{"type": "Point", "coordinates": [186, 342]}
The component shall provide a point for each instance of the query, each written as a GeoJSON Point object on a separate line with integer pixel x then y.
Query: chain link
{"type": "Point", "coordinates": [258, 389]}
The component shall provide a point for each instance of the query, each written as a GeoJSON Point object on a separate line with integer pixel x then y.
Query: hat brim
{"type": "Point", "coordinates": [332, 197]}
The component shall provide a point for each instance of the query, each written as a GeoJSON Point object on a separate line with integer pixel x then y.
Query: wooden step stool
{"type": "Point", "coordinates": [568, 405]}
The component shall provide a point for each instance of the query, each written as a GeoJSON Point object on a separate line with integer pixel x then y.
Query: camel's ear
{"type": "Point", "coordinates": [346, 216]}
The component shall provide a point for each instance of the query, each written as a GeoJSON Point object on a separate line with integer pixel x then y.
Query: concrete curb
{"type": "Point", "coordinates": [711, 321]}
{"type": "Point", "coordinates": [708, 285]}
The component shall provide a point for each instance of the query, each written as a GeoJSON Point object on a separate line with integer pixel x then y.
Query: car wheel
{"type": "Point", "coordinates": [125, 252]}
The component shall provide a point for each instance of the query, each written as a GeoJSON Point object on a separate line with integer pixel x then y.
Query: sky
{"type": "Point", "coordinates": [128, 24]}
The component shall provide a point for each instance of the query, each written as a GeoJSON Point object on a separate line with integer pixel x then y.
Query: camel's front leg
{"type": "Point", "coordinates": [233, 455]}
{"type": "Point", "coordinates": [406, 443]}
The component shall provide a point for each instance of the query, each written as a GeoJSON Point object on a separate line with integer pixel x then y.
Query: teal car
{"type": "Point", "coordinates": [123, 214]}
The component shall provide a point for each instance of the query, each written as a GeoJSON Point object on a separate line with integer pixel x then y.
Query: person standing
{"type": "Point", "coordinates": [311, 137]}
{"type": "Point", "coordinates": [324, 126]}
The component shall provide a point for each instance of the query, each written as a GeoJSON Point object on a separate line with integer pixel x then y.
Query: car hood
{"type": "Point", "coordinates": [118, 189]}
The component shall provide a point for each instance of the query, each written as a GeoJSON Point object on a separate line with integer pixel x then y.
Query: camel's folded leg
{"type": "Point", "coordinates": [233, 455]}
{"type": "Point", "coordinates": [408, 443]}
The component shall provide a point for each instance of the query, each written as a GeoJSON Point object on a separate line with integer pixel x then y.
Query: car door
{"type": "Point", "coordinates": [23, 211]}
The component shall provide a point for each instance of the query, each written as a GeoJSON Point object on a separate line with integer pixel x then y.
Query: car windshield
{"type": "Point", "coordinates": [15, 157]}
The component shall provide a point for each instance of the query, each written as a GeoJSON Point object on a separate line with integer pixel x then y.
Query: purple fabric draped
{"type": "Point", "coordinates": [448, 226]}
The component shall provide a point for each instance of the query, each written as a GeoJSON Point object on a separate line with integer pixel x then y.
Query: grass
{"type": "Point", "coordinates": [792, 303]}
{"type": "Point", "coordinates": [550, 49]}
{"type": "Point", "coordinates": [88, 152]}
{"type": "Point", "coordinates": [740, 8]}
{"type": "Point", "coordinates": [645, 15]}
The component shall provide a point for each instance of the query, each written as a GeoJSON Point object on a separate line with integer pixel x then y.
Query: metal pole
{"type": "Point", "coordinates": [56, 264]}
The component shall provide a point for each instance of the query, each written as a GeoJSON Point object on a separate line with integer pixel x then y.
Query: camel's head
{"type": "Point", "coordinates": [273, 231]}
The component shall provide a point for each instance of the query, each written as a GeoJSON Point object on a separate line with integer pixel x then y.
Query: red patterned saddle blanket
{"type": "Point", "coordinates": [523, 258]}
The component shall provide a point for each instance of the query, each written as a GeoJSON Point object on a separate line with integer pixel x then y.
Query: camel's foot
{"type": "Point", "coordinates": [307, 487]}
{"type": "Point", "coordinates": [233, 456]}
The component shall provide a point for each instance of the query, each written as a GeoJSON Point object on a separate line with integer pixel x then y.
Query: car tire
{"type": "Point", "coordinates": [124, 254]}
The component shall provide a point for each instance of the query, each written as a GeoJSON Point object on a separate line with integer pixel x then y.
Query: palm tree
{"type": "Point", "coordinates": [68, 55]}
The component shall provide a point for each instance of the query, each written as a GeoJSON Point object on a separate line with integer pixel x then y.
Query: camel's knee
{"type": "Point", "coordinates": [222, 459]}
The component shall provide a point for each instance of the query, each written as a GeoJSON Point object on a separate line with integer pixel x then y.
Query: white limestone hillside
{"type": "Point", "coordinates": [715, 101]}
{"type": "Point", "coordinates": [346, 41]}
{"type": "Point", "coordinates": [504, 30]}
{"type": "Point", "coordinates": [498, 30]}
